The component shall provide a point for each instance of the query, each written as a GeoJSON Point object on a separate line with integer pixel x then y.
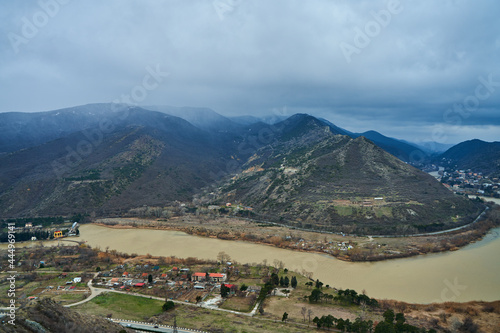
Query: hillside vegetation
{"type": "Point", "coordinates": [312, 178]}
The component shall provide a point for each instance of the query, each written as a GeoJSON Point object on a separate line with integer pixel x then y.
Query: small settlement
{"type": "Point", "coordinates": [175, 283]}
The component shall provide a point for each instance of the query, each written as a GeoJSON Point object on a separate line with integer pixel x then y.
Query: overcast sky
{"type": "Point", "coordinates": [401, 68]}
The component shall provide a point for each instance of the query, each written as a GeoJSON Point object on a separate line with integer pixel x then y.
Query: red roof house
{"type": "Point", "coordinates": [199, 276]}
{"type": "Point", "coordinates": [217, 277]}
{"type": "Point", "coordinates": [232, 287]}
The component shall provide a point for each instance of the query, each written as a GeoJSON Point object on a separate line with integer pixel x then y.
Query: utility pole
{"type": "Point", "coordinates": [175, 325]}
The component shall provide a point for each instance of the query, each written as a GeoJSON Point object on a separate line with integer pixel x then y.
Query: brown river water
{"type": "Point", "coordinates": [471, 273]}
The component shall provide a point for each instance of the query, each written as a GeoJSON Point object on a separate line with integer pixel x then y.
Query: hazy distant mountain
{"type": "Point", "coordinates": [249, 120]}
{"type": "Point", "coordinates": [203, 118]}
{"type": "Point", "coordinates": [245, 120]}
{"type": "Point", "coordinates": [22, 130]}
{"type": "Point", "coordinates": [402, 150]}
{"type": "Point", "coordinates": [475, 154]}
{"type": "Point", "coordinates": [273, 118]}
{"type": "Point", "coordinates": [431, 147]}
{"type": "Point", "coordinates": [310, 177]}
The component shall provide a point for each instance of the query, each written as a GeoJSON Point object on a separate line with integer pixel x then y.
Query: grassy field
{"type": "Point", "coordinates": [223, 322]}
{"type": "Point", "coordinates": [343, 211]}
{"type": "Point", "coordinates": [69, 298]}
{"type": "Point", "coordinates": [143, 309]}
{"type": "Point", "coordinates": [276, 306]}
{"type": "Point", "coordinates": [122, 306]}
{"type": "Point", "coordinates": [242, 304]}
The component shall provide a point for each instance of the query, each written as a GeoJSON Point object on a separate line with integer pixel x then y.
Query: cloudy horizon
{"type": "Point", "coordinates": [419, 71]}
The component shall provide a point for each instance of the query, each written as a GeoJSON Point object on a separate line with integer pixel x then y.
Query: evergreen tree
{"type": "Point", "coordinates": [275, 280]}
{"type": "Point", "coordinates": [315, 295]}
{"type": "Point", "coordinates": [389, 316]}
{"type": "Point", "coordinates": [224, 291]}
{"type": "Point", "coordinates": [294, 282]}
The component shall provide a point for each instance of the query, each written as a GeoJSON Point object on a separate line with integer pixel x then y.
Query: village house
{"type": "Point", "coordinates": [217, 277]}
{"type": "Point", "coordinates": [199, 276]}
{"type": "Point", "coordinates": [232, 288]}
{"type": "Point", "coordinates": [212, 277]}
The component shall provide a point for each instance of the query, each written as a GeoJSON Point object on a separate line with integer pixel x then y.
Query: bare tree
{"type": "Point", "coordinates": [303, 312]}
{"type": "Point", "coordinates": [223, 257]}
{"type": "Point", "coordinates": [157, 211]}
{"type": "Point", "coordinates": [309, 314]}
{"type": "Point", "coordinates": [307, 274]}
{"type": "Point", "coordinates": [363, 307]}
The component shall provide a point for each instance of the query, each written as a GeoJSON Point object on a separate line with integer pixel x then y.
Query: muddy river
{"type": "Point", "coordinates": [472, 273]}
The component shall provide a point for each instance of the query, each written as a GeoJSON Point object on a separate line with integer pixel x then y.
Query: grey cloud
{"type": "Point", "coordinates": [261, 57]}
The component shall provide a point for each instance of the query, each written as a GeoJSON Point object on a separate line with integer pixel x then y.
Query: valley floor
{"type": "Point", "coordinates": [106, 270]}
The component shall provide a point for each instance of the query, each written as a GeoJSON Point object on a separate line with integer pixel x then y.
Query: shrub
{"type": "Point", "coordinates": [169, 305]}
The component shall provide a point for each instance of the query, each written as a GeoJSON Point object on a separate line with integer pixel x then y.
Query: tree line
{"type": "Point", "coordinates": [346, 297]}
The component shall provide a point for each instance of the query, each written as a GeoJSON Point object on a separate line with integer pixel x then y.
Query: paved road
{"type": "Point", "coordinates": [436, 232]}
{"type": "Point", "coordinates": [94, 292]}
{"type": "Point", "coordinates": [151, 327]}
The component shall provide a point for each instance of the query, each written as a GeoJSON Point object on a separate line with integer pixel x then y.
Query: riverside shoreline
{"type": "Point", "coordinates": [352, 248]}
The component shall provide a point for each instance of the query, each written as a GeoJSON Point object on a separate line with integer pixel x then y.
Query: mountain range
{"type": "Point", "coordinates": [23, 130]}
{"type": "Point", "coordinates": [105, 159]}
